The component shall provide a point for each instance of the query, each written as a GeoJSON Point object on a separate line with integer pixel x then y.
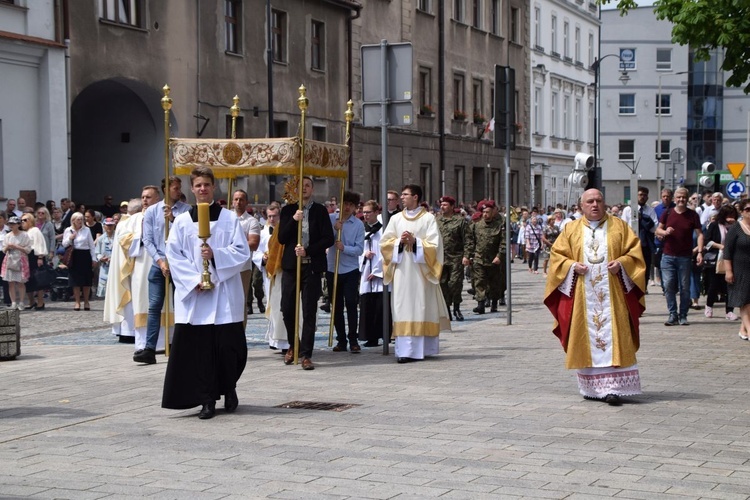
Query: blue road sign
{"type": "Point", "coordinates": [735, 189]}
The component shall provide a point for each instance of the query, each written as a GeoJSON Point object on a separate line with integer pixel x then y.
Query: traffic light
{"type": "Point", "coordinates": [706, 179]}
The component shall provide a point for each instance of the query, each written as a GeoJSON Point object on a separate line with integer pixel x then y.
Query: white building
{"type": "Point", "coordinates": [33, 101]}
{"type": "Point", "coordinates": [564, 42]}
{"type": "Point", "coordinates": [698, 114]}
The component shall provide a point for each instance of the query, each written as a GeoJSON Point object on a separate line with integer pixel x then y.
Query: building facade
{"type": "Point", "coordinates": [121, 55]}
{"type": "Point", "coordinates": [673, 114]}
{"type": "Point", "coordinates": [33, 101]}
{"type": "Point", "coordinates": [565, 44]}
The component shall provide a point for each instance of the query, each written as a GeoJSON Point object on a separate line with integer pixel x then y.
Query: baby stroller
{"type": "Point", "coordinates": [60, 289]}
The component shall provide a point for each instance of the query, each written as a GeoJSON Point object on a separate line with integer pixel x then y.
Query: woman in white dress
{"type": "Point", "coordinates": [15, 270]}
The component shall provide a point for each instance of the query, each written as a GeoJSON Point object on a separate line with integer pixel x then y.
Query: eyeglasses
{"type": "Point", "coordinates": [25, 220]}
{"type": "Point", "coordinates": [746, 209]}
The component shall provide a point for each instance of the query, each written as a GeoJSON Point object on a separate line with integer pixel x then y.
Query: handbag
{"type": "Point", "coordinates": [67, 257]}
{"type": "Point", "coordinates": [720, 267]}
{"type": "Point", "coordinates": [44, 276]}
{"type": "Point", "coordinates": [13, 260]}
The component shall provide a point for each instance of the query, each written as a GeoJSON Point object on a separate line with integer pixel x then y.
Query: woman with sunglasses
{"type": "Point", "coordinates": [15, 270]}
{"type": "Point", "coordinates": [44, 223]}
{"type": "Point", "coordinates": [36, 260]}
{"type": "Point", "coordinates": [737, 265]}
{"type": "Point", "coordinates": [713, 237]}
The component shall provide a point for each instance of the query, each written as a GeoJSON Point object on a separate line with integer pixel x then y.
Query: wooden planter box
{"type": "Point", "coordinates": [10, 334]}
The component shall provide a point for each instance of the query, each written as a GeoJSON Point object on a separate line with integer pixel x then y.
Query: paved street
{"type": "Point", "coordinates": [495, 415]}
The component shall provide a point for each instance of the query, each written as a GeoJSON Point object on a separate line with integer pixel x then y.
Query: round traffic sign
{"type": "Point", "coordinates": [735, 189]}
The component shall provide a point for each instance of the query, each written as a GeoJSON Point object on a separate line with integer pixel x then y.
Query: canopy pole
{"type": "Point", "coordinates": [302, 103]}
{"type": "Point", "coordinates": [166, 104]}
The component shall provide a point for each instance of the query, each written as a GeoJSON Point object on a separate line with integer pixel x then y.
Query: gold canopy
{"type": "Point", "coordinates": [230, 158]}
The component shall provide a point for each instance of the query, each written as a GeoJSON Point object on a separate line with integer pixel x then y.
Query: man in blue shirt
{"type": "Point", "coordinates": [154, 241]}
{"type": "Point", "coordinates": [350, 247]}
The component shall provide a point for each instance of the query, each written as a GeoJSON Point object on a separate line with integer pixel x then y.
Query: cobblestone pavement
{"type": "Point", "coordinates": [495, 415]}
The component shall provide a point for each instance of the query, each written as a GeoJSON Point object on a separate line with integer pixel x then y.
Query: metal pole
{"type": "Point", "coordinates": [302, 103]}
{"type": "Point", "coordinates": [336, 269]}
{"type": "Point", "coordinates": [269, 64]}
{"type": "Point", "coordinates": [384, 177]}
{"type": "Point", "coordinates": [747, 154]}
{"type": "Point", "coordinates": [658, 139]}
{"type": "Point", "coordinates": [508, 248]}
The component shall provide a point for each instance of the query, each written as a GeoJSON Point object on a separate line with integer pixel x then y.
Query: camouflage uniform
{"type": "Point", "coordinates": [453, 231]}
{"type": "Point", "coordinates": [484, 242]}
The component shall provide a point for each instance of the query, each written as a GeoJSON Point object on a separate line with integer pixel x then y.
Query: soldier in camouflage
{"type": "Point", "coordinates": [485, 252]}
{"type": "Point", "coordinates": [453, 229]}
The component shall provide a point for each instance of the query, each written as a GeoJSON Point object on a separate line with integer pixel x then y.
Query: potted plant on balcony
{"type": "Point", "coordinates": [479, 118]}
{"type": "Point", "coordinates": [459, 114]}
{"type": "Point", "coordinates": [519, 127]}
{"type": "Point", "coordinates": [427, 110]}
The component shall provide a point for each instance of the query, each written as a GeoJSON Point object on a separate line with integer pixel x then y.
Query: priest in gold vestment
{"type": "Point", "coordinates": [597, 279]}
{"type": "Point", "coordinates": [412, 250]}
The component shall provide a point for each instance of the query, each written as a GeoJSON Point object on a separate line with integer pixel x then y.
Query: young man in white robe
{"type": "Point", "coordinates": [412, 250]}
{"type": "Point", "coordinates": [209, 350]}
{"type": "Point", "coordinates": [371, 280]}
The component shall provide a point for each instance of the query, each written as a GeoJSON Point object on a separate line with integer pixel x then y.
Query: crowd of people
{"type": "Point", "coordinates": [348, 254]}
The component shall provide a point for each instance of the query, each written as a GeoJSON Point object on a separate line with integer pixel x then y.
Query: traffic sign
{"type": "Point", "coordinates": [735, 189]}
{"type": "Point", "coordinates": [736, 169]}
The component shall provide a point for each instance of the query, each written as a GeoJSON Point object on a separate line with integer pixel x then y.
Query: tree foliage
{"type": "Point", "coordinates": [705, 25]}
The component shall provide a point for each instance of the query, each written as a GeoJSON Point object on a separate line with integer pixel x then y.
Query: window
{"type": "Point", "coordinates": [591, 49]}
{"type": "Point", "coordinates": [458, 10]}
{"type": "Point", "coordinates": [476, 13]}
{"type": "Point", "coordinates": [319, 133]}
{"type": "Point", "coordinates": [553, 114]}
{"type": "Point", "coordinates": [424, 5]}
{"type": "Point", "coordinates": [663, 59]}
{"type": "Point", "coordinates": [627, 104]}
{"type": "Point", "coordinates": [280, 128]}
{"type": "Point", "coordinates": [577, 42]}
{"type": "Point", "coordinates": [317, 45]}
{"type": "Point", "coordinates": [538, 110]}
{"type": "Point", "coordinates": [425, 91]}
{"type": "Point", "coordinates": [566, 39]}
{"type": "Point", "coordinates": [665, 106]}
{"type": "Point", "coordinates": [665, 149]}
{"type": "Point", "coordinates": [626, 150]}
{"type": "Point", "coordinates": [566, 117]}
{"type": "Point", "coordinates": [537, 27]}
{"type": "Point", "coordinates": [425, 180]}
{"type": "Point", "coordinates": [459, 180]}
{"type": "Point", "coordinates": [476, 92]}
{"type": "Point", "coordinates": [128, 12]}
{"type": "Point", "coordinates": [239, 127]}
{"type": "Point", "coordinates": [495, 21]}
{"type": "Point", "coordinates": [553, 34]}
{"type": "Point", "coordinates": [232, 18]}
{"type": "Point", "coordinates": [458, 93]}
{"type": "Point", "coordinates": [278, 31]}
{"type": "Point", "coordinates": [374, 180]}
{"type": "Point", "coordinates": [514, 25]}
{"type": "Point", "coordinates": [578, 121]}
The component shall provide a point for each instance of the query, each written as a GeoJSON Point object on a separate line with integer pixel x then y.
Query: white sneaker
{"type": "Point", "coordinates": [731, 316]}
{"type": "Point", "coordinates": [709, 312]}
{"type": "Point", "coordinates": [743, 336]}
{"type": "Point", "coordinates": [21, 307]}
{"type": "Point", "coordinates": [13, 305]}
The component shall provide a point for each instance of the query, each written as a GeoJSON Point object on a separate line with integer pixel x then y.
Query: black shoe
{"type": "Point", "coordinates": [672, 321]}
{"type": "Point", "coordinates": [401, 361]}
{"type": "Point", "coordinates": [208, 411]}
{"type": "Point", "coordinates": [326, 307]}
{"type": "Point", "coordinates": [371, 343]}
{"type": "Point", "coordinates": [40, 308]}
{"type": "Point", "coordinates": [146, 356]}
{"type": "Point", "coordinates": [458, 315]}
{"type": "Point", "coordinates": [249, 310]}
{"type": "Point", "coordinates": [480, 308]}
{"type": "Point", "coordinates": [261, 307]}
{"type": "Point", "coordinates": [501, 302]}
{"type": "Point", "coordinates": [230, 401]}
{"type": "Point", "coordinates": [471, 291]}
{"type": "Point", "coordinates": [493, 307]}
{"type": "Point", "coordinates": [613, 400]}
{"type": "Point", "coordinates": [28, 308]}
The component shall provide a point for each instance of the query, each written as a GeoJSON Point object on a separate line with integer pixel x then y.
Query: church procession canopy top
{"type": "Point", "coordinates": [231, 158]}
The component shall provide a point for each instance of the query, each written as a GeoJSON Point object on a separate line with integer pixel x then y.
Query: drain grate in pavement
{"type": "Point", "coordinates": [314, 405]}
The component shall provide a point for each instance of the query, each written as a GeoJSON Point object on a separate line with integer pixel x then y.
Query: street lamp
{"type": "Point", "coordinates": [595, 174]}
{"type": "Point", "coordinates": [658, 132]}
